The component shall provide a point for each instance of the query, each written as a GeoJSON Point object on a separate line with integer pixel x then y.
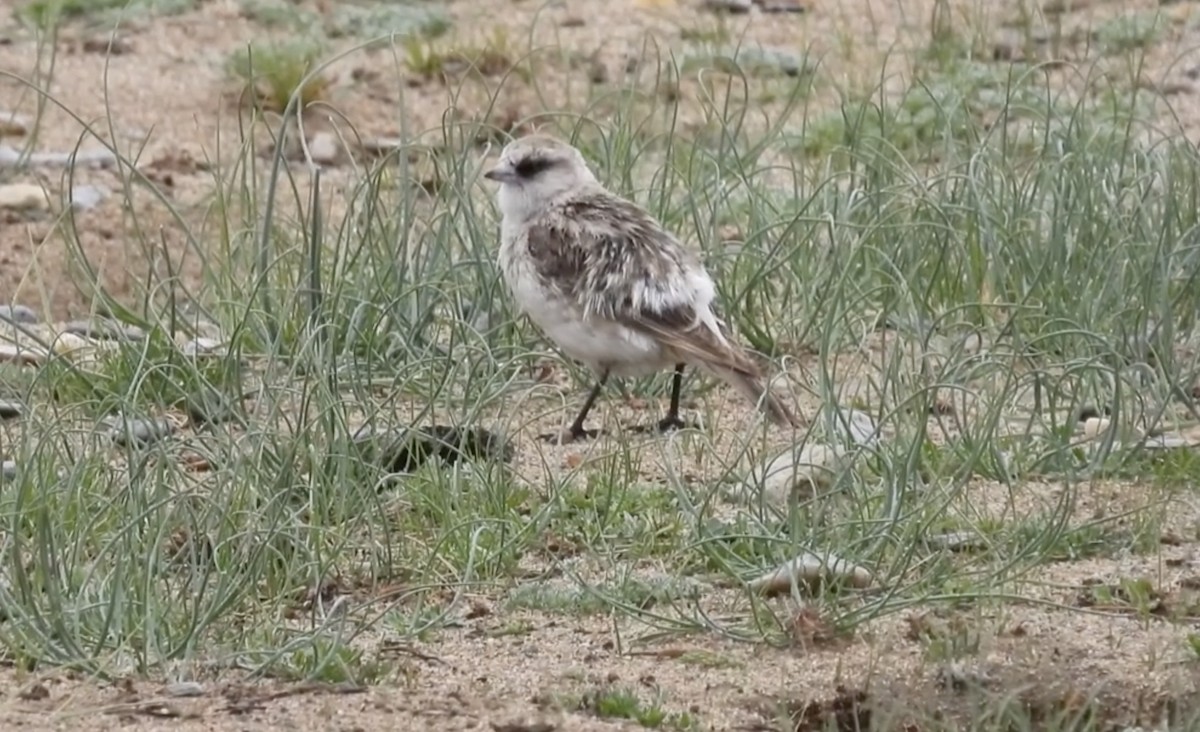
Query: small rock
{"type": "Point", "coordinates": [104, 331]}
{"type": "Point", "coordinates": [801, 472]}
{"type": "Point", "coordinates": [202, 346]}
{"type": "Point", "coordinates": [729, 6]}
{"type": "Point", "coordinates": [781, 6]}
{"type": "Point", "coordinates": [811, 570]}
{"type": "Point", "coordinates": [767, 60]}
{"type": "Point", "coordinates": [12, 125]}
{"type": "Point", "coordinates": [25, 357]}
{"type": "Point", "coordinates": [858, 426]}
{"type": "Point", "coordinates": [66, 344]}
{"type": "Point", "coordinates": [185, 689]}
{"type": "Point", "coordinates": [403, 450]}
{"type": "Point", "coordinates": [109, 45]}
{"type": "Point", "coordinates": [325, 148]}
{"type": "Point", "coordinates": [138, 431]}
{"type": "Point", "coordinates": [9, 157]}
{"type": "Point", "coordinates": [911, 324]}
{"type": "Point", "coordinates": [957, 541]}
{"type": "Point", "coordinates": [23, 197]}
{"type": "Point", "coordinates": [1170, 441]}
{"type": "Point", "coordinates": [973, 343]}
{"type": "Point", "coordinates": [10, 409]}
{"type": "Point", "coordinates": [752, 61]}
{"type": "Point", "coordinates": [1093, 427]}
{"type": "Point", "coordinates": [18, 314]}
{"type": "Point", "coordinates": [85, 197]}
{"type": "Point", "coordinates": [8, 470]}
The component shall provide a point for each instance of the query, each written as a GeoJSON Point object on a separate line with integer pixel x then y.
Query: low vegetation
{"type": "Point", "coordinates": [993, 262]}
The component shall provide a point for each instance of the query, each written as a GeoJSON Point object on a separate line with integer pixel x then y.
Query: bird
{"type": "Point", "coordinates": [608, 284]}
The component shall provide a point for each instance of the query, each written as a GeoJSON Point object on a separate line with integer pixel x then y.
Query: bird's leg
{"type": "Point", "coordinates": [577, 430]}
{"type": "Point", "coordinates": [672, 420]}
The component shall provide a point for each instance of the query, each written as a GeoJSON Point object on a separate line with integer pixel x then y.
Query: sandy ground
{"type": "Point", "coordinates": [166, 102]}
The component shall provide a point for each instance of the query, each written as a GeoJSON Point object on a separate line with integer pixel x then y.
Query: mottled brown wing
{"type": "Point", "coordinates": [682, 331]}
{"type": "Point", "coordinates": [635, 274]}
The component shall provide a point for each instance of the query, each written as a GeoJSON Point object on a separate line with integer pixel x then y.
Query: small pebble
{"type": "Point", "coordinates": [201, 347]}
{"type": "Point", "coordinates": [23, 356]}
{"type": "Point", "coordinates": [781, 6]}
{"type": "Point", "coordinates": [142, 431]}
{"type": "Point", "coordinates": [10, 409]}
{"type": "Point", "coordinates": [1169, 441]}
{"type": "Point", "coordinates": [755, 60]}
{"type": "Point", "coordinates": [403, 450]}
{"type": "Point", "coordinates": [957, 541]}
{"type": "Point", "coordinates": [23, 197]}
{"type": "Point", "coordinates": [325, 148]}
{"type": "Point", "coordinates": [1094, 426]}
{"type": "Point", "coordinates": [973, 343]}
{"type": "Point", "coordinates": [802, 473]}
{"type": "Point", "coordinates": [12, 125]}
{"type": "Point", "coordinates": [87, 197]}
{"type": "Point", "coordinates": [10, 156]}
{"type": "Point", "coordinates": [104, 331]}
{"type": "Point", "coordinates": [859, 426]}
{"type": "Point", "coordinates": [729, 6]}
{"type": "Point", "coordinates": [185, 689]}
{"type": "Point", "coordinates": [8, 470]}
{"type": "Point", "coordinates": [810, 569]}
{"type": "Point", "coordinates": [18, 314]}
{"type": "Point", "coordinates": [67, 343]}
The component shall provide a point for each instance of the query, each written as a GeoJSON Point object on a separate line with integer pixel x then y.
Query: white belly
{"type": "Point", "coordinates": [601, 345]}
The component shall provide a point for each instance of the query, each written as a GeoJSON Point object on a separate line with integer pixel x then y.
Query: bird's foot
{"type": "Point", "coordinates": [667, 424]}
{"type": "Point", "coordinates": [569, 435]}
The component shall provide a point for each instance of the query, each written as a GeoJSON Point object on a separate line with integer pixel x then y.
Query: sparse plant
{"type": "Point", "coordinates": [271, 74]}
{"type": "Point", "coordinates": [46, 13]}
{"type": "Point", "coordinates": [1130, 31]}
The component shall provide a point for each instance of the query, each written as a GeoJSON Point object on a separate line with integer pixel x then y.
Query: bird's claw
{"type": "Point", "coordinates": [670, 424]}
{"type": "Point", "coordinates": [667, 424]}
{"type": "Point", "coordinates": [569, 435]}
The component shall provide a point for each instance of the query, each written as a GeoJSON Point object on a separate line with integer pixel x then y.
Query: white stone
{"type": "Point", "coordinates": [87, 197]}
{"type": "Point", "coordinates": [325, 148]}
{"type": "Point", "coordinates": [810, 569]}
{"type": "Point", "coordinates": [803, 471]}
{"type": "Point", "coordinates": [24, 197]}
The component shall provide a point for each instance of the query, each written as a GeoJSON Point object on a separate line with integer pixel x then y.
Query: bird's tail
{"type": "Point", "coordinates": [751, 386]}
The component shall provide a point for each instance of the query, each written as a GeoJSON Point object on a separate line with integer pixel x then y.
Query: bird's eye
{"type": "Point", "coordinates": [529, 167]}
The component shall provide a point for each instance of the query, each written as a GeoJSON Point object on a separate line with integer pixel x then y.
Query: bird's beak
{"type": "Point", "coordinates": [502, 173]}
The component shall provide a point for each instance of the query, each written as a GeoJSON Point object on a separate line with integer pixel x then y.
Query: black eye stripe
{"type": "Point", "coordinates": [530, 167]}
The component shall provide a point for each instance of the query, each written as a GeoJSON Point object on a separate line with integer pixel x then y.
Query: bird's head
{"type": "Point", "coordinates": [536, 171]}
